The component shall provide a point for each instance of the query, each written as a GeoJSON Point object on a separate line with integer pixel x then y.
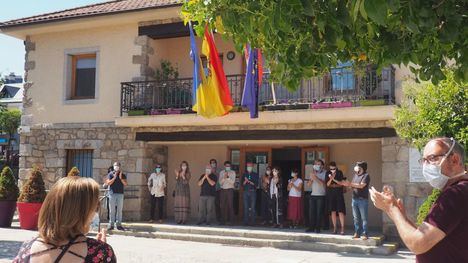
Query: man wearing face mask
{"type": "Point", "coordinates": [116, 180]}
{"type": "Point", "coordinates": [249, 181]}
{"type": "Point", "coordinates": [360, 200]}
{"type": "Point", "coordinates": [206, 203]}
{"type": "Point", "coordinates": [156, 186]}
{"type": "Point", "coordinates": [443, 235]}
{"type": "Point", "coordinates": [227, 178]}
{"type": "Point", "coordinates": [317, 196]}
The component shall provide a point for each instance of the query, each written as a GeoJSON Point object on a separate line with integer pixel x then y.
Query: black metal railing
{"type": "Point", "coordinates": [338, 85]}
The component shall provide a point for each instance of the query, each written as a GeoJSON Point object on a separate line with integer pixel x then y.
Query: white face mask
{"type": "Point", "coordinates": [116, 168]}
{"type": "Point", "coordinates": [249, 169]}
{"type": "Point", "coordinates": [268, 172]}
{"type": "Point", "coordinates": [356, 169]}
{"type": "Point", "coordinates": [293, 175]}
{"type": "Point", "coordinates": [213, 165]}
{"type": "Point", "coordinates": [433, 173]}
{"type": "Point", "coordinates": [207, 171]}
{"type": "Point", "coordinates": [184, 167]}
{"type": "Point", "coordinates": [317, 167]}
{"type": "Point", "coordinates": [275, 173]}
{"type": "Point", "coordinates": [228, 168]}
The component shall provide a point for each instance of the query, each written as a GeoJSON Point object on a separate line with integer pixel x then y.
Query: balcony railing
{"type": "Point", "coordinates": [158, 97]}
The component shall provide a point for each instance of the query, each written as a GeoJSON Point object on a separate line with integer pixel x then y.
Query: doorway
{"type": "Point", "coordinates": [287, 159]}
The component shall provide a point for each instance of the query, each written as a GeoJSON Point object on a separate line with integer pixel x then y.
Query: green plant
{"type": "Point", "coordinates": [166, 71]}
{"type": "Point", "coordinates": [8, 188]}
{"type": "Point", "coordinates": [427, 205]}
{"type": "Point", "coordinates": [301, 38]}
{"type": "Point", "coordinates": [74, 172]}
{"type": "Point", "coordinates": [33, 191]}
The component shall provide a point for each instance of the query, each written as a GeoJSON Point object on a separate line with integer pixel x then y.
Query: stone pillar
{"type": "Point", "coordinates": [395, 172]}
{"type": "Point", "coordinates": [142, 59]}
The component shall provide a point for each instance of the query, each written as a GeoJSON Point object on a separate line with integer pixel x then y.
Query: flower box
{"type": "Point", "coordinates": [298, 106]}
{"type": "Point", "coordinates": [321, 105]}
{"type": "Point", "coordinates": [173, 111]}
{"type": "Point", "coordinates": [372, 102]}
{"type": "Point", "coordinates": [275, 107]}
{"type": "Point", "coordinates": [342, 104]}
{"type": "Point", "coordinates": [136, 112]}
{"type": "Point", "coordinates": [157, 112]}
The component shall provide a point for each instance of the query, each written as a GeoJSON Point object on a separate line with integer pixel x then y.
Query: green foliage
{"type": "Point", "coordinates": [8, 188]}
{"type": "Point", "coordinates": [429, 111]}
{"type": "Point", "coordinates": [74, 172]}
{"type": "Point", "coordinates": [302, 38]}
{"type": "Point", "coordinates": [10, 120]}
{"type": "Point", "coordinates": [427, 205]}
{"type": "Point", "coordinates": [33, 191]}
{"type": "Point", "coordinates": [167, 71]}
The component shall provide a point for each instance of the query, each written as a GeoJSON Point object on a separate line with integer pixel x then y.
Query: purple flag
{"type": "Point", "coordinates": [251, 85]}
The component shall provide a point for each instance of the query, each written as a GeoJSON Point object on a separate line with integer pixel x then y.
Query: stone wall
{"type": "Point", "coordinates": [395, 172]}
{"type": "Point", "coordinates": [47, 147]}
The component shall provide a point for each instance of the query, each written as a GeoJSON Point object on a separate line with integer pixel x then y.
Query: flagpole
{"type": "Point", "coordinates": [273, 92]}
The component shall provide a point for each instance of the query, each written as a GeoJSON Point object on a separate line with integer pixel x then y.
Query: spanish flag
{"type": "Point", "coordinates": [213, 97]}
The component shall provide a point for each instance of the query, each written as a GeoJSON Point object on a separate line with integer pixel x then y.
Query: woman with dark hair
{"type": "Point", "coordinates": [182, 194]}
{"type": "Point", "coordinates": [64, 222]}
{"type": "Point", "coordinates": [295, 198]}
{"type": "Point", "coordinates": [265, 196]}
{"type": "Point", "coordinates": [335, 197]}
{"type": "Point", "coordinates": [276, 198]}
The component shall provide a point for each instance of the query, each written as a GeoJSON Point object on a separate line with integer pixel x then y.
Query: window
{"type": "Point", "coordinates": [83, 76]}
{"type": "Point", "coordinates": [342, 77]}
{"type": "Point", "coordinates": [82, 159]}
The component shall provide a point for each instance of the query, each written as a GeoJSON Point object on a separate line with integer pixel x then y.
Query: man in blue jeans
{"type": "Point", "coordinates": [360, 202]}
{"type": "Point", "coordinates": [250, 182]}
{"type": "Point", "coordinates": [116, 180]}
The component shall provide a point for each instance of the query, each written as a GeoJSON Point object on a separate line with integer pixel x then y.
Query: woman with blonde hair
{"type": "Point", "coordinates": [64, 220]}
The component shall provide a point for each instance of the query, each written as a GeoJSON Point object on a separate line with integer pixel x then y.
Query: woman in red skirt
{"type": "Point", "coordinates": [294, 200]}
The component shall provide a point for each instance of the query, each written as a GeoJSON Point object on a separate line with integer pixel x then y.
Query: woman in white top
{"type": "Point", "coordinates": [295, 199]}
{"type": "Point", "coordinates": [157, 187]}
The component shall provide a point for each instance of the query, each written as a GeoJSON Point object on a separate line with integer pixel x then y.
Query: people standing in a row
{"type": "Point", "coordinates": [116, 180]}
{"type": "Point", "coordinates": [249, 181]}
{"type": "Point", "coordinates": [317, 197]}
{"type": "Point", "coordinates": [157, 187]}
{"type": "Point", "coordinates": [335, 197]}
{"type": "Point", "coordinates": [181, 193]}
{"type": "Point", "coordinates": [206, 203]}
{"type": "Point", "coordinates": [295, 199]}
{"type": "Point", "coordinates": [227, 178]}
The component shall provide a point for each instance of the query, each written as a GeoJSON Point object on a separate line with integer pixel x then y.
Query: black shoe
{"type": "Point", "coordinates": [309, 230]}
{"type": "Point", "coordinates": [317, 231]}
{"type": "Point", "coordinates": [109, 228]}
{"type": "Point", "coordinates": [121, 228]}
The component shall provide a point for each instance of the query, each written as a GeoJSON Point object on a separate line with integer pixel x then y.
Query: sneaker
{"type": "Point", "coordinates": [364, 237]}
{"type": "Point", "coordinates": [121, 228]}
{"type": "Point", "coordinates": [150, 221]}
{"type": "Point", "coordinates": [160, 221]}
{"type": "Point", "coordinates": [109, 228]}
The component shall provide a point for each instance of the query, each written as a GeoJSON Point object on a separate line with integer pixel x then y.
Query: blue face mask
{"type": "Point", "coordinates": [158, 170]}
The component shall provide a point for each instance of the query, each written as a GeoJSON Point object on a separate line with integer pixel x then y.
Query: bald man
{"type": "Point", "coordinates": [443, 235]}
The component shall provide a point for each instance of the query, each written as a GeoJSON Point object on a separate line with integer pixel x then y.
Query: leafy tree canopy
{"type": "Point", "coordinates": [302, 38]}
{"type": "Point", "coordinates": [9, 120]}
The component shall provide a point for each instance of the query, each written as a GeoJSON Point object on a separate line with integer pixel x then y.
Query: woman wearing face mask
{"type": "Point", "coordinates": [335, 198]}
{"type": "Point", "coordinates": [295, 199]}
{"type": "Point", "coordinates": [265, 196]}
{"type": "Point", "coordinates": [276, 198]}
{"type": "Point", "coordinates": [157, 186]}
{"type": "Point", "coordinates": [182, 194]}
{"type": "Point", "coordinates": [360, 201]}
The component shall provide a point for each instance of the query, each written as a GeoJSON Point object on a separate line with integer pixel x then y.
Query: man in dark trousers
{"type": "Point", "coordinates": [250, 182]}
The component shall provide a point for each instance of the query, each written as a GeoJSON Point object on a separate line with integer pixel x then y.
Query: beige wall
{"type": "Point", "coordinates": [116, 48]}
{"type": "Point", "coordinates": [177, 50]}
{"type": "Point", "coordinates": [345, 154]}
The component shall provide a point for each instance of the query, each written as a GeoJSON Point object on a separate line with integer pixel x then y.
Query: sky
{"type": "Point", "coordinates": [12, 49]}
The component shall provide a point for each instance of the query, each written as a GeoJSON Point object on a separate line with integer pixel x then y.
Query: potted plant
{"type": "Point", "coordinates": [136, 112]}
{"type": "Point", "coordinates": [30, 200]}
{"type": "Point", "coordinates": [371, 101]}
{"type": "Point", "coordinates": [8, 195]}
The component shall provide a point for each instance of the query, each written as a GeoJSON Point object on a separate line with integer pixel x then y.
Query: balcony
{"type": "Point", "coordinates": [337, 89]}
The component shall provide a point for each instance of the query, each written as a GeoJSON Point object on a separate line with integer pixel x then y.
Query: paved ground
{"type": "Point", "coordinates": [142, 250]}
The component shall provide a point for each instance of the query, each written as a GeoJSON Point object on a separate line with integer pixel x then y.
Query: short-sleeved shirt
{"type": "Point", "coordinates": [294, 192]}
{"type": "Point", "coordinates": [206, 188]}
{"type": "Point", "coordinates": [449, 214]}
{"type": "Point", "coordinates": [253, 177]}
{"type": "Point", "coordinates": [362, 193]}
{"type": "Point", "coordinates": [319, 189]}
{"type": "Point", "coordinates": [117, 187]}
{"type": "Point", "coordinates": [338, 177]}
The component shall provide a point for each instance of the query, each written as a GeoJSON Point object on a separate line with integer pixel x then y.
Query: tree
{"type": "Point", "coordinates": [302, 38]}
{"type": "Point", "coordinates": [10, 120]}
{"type": "Point", "coordinates": [429, 111]}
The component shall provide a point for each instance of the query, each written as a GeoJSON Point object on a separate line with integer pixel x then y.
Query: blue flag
{"type": "Point", "coordinates": [196, 64]}
{"type": "Point", "coordinates": [251, 85]}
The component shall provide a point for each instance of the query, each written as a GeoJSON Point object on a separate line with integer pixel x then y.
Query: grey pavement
{"type": "Point", "coordinates": [135, 249]}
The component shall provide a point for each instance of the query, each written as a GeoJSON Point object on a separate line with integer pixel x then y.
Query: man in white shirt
{"type": "Point", "coordinates": [227, 178]}
{"type": "Point", "coordinates": [317, 196]}
{"type": "Point", "coordinates": [157, 186]}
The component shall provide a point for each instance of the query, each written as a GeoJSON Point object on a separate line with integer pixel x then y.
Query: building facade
{"type": "Point", "coordinates": [96, 92]}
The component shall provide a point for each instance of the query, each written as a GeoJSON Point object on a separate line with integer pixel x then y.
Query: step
{"type": "Point", "coordinates": [265, 233]}
{"type": "Point", "coordinates": [259, 242]}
